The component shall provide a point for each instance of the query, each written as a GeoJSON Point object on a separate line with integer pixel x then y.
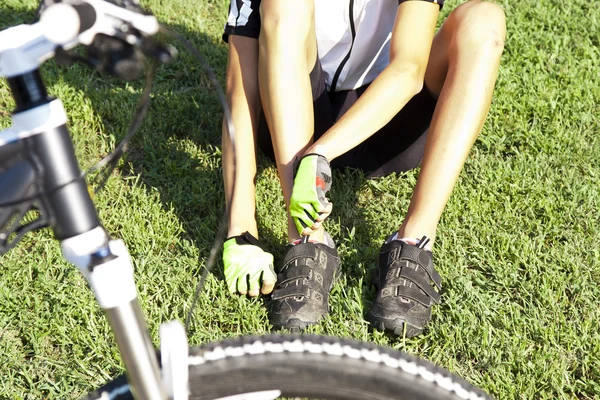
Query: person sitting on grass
{"type": "Point", "coordinates": [352, 83]}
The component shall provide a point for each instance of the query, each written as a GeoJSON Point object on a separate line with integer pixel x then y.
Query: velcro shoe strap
{"type": "Point", "coordinates": [413, 294]}
{"type": "Point", "coordinates": [419, 280]}
{"type": "Point", "coordinates": [420, 257]}
{"type": "Point", "coordinates": [435, 277]}
{"type": "Point", "coordinates": [300, 251]}
{"type": "Point", "coordinates": [291, 291]}
{"type": "Point", "coordinates": [292, 273]}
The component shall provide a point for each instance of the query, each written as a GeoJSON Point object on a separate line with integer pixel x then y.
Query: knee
{"type": "Point", "coordinates": [284, 17]}
{"type": "Point", "coordinates": [479, 25]}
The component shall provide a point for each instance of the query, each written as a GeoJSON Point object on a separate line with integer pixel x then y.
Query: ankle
{"type": "Point", "coordinates": [408, 229]}
{"type": "Point", "coordinates": [317, 237]}
{"type": "Point", "coordinates": [423, 241]}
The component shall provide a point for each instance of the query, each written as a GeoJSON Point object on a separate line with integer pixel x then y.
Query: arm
{"type": "Point", "coordinates": [412, 37]}
{"type": "Point", "coordinates": [244, 100]}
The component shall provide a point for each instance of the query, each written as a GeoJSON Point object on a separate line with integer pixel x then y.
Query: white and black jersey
{"type": "Point", "coordinates": [353, 36]}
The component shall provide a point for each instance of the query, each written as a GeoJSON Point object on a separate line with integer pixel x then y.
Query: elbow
{"type": "Point", "coordinates": [410, 73]}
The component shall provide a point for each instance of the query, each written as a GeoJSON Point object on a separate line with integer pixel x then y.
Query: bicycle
{"type": "Point", "coordinates": [39, 171]}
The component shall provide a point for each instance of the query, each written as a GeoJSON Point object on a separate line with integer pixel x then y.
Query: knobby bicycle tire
{"type": "Point", "coordinates": [309, 366]}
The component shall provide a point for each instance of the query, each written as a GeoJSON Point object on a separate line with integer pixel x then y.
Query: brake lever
{"type": "Point", "coordinates": [115, 43]}
{"type": "Point", "coordinates": [112, 56]}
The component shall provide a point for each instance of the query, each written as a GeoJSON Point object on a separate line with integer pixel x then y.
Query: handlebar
{"type": "Point", "coordinates": [82, 20]}
{"type": "Point", "coordinates": [114, 35]}
{"type": "Point", "coordinates": [63, 23]}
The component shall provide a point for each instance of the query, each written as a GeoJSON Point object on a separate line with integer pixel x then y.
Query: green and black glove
{"type": "Point", "coordinates": [308, 206]}
{"type": "Point", "coordinates": [247, 266]}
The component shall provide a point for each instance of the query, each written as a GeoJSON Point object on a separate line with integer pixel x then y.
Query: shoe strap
{"type": "Point", "coordinates": [415, 255]}
{"type": "Point", "coordinates": [292, 274]}
{"type": "Point", "coordinates": [418, 279]}
{"type": "Point", "coordinates": [291, 291]}
{"type": "Point", "coordinates": [299, 251]}
{"type": "Point", "coordinates": [408, 292]}
{"type": "Point", "coordinates": [306, 290]}
{"type": "Point", "coordinates": [303, 273]}
{"type": "Point", "coordinates": [416, 295]}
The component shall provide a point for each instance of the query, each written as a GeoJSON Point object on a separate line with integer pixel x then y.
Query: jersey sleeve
{"type": "Point", "coordinates": [243, 19]}
{"type": "Point", "coordinates": [440, 2]}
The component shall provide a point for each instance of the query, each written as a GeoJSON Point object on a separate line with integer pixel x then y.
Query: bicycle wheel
{"type": "Point", "coordinates": [308, 366]}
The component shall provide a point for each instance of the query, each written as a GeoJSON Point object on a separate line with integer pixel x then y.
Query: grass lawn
{"type": "Point", "coordinates": [518, 245]}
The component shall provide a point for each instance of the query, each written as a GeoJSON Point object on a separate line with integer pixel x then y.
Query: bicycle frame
{"type": "Point", "coordinates": [39, 171]}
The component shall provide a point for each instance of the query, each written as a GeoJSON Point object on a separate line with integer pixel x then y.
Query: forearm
{"type": "Point", "coordinates": [244, 101]}
{"type": "Point", "coordinates": [393, 88]}
{"type": "Point", "coordinates": [384, 98]}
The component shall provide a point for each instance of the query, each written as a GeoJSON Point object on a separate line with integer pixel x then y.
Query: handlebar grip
{"type": "Point", "coordinates": [62, 23]}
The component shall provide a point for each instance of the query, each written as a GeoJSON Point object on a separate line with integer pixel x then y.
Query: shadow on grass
{"type": "Point", "coordinates": [177, 150]}
{"type": "Point", "coordinates": [359, 237]}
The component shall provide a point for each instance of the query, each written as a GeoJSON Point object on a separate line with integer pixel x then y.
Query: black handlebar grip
{"type": "Point", "coordinates": [62, 23]}
{"type": "Point", "coordinates": [87, 16]}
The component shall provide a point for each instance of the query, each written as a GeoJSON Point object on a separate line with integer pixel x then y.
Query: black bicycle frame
{"type": "Point", "coordinates": [51, 157]}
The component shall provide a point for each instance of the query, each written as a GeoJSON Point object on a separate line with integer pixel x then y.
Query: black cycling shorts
{"type": "Point", "coordinates": [397, 147]}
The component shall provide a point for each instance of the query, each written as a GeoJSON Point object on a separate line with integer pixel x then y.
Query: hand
{"type": "Point", "coordinates": [308, 206]}
{"type": "Point", "coordinates": [247, 266]}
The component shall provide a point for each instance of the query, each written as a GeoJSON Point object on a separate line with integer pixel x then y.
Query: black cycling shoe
{"type": "Point", "coordinates": [405, 294]}
{"type": "Point", "coordinates": [301, 296]}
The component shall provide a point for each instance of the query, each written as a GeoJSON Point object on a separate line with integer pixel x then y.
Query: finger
{"type": "Point", "coordinates": [302, 216]}
{"type": "Point", "coordinates": [307, 232]}
{"type": "Point", "coordinates": [303, 225]}
{"type": "Point", "coordinates": [254, 286]}
{"type": "Point", "coordinates": [242, 285]}
{"type": "Point", "coordinates": [325, 212]}
{"type": "Point", "coordinates": [269, 279]}
{"type": "Point", "coordinates": [232, 288]}
{"type": "Point", "coordinates": [231, 284]}
{"type": "Point", "coordinates": [267, 286]}
{"type": "Point", "coordinates": [299, 226]}
{"type": "Point", "coordinates": [322, 217]}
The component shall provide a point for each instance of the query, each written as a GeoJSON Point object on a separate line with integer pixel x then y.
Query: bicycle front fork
{"type": "Point", "coordinates": [107, 267]}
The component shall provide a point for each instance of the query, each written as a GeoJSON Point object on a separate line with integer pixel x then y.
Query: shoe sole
{"type": "Point", "coordinates": [294, 325]}
{"type": "Point", "coordinates": [395, 326]}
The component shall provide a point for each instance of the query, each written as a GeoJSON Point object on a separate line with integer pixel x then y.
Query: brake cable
{"type": "Point", "coordinates": [113, 158]}
{"type": "Point", "coordinates": [222, 230]}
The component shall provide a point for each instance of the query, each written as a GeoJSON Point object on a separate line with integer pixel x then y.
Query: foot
{"type": "Point", "coordinates": [301, 296]}
{"type": "Point", "coordinates": [405, 293]}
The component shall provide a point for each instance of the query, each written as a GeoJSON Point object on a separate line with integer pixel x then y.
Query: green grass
{"type": "Point", "coordinates": [518, 245]}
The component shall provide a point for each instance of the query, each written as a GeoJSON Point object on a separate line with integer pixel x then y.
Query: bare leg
{"type": "Point", "coordinates": [287, 53]}
{"type": "Point", "coordinates": [243, 98]}
{"type": "Point", "coordinates": [462, 70]}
